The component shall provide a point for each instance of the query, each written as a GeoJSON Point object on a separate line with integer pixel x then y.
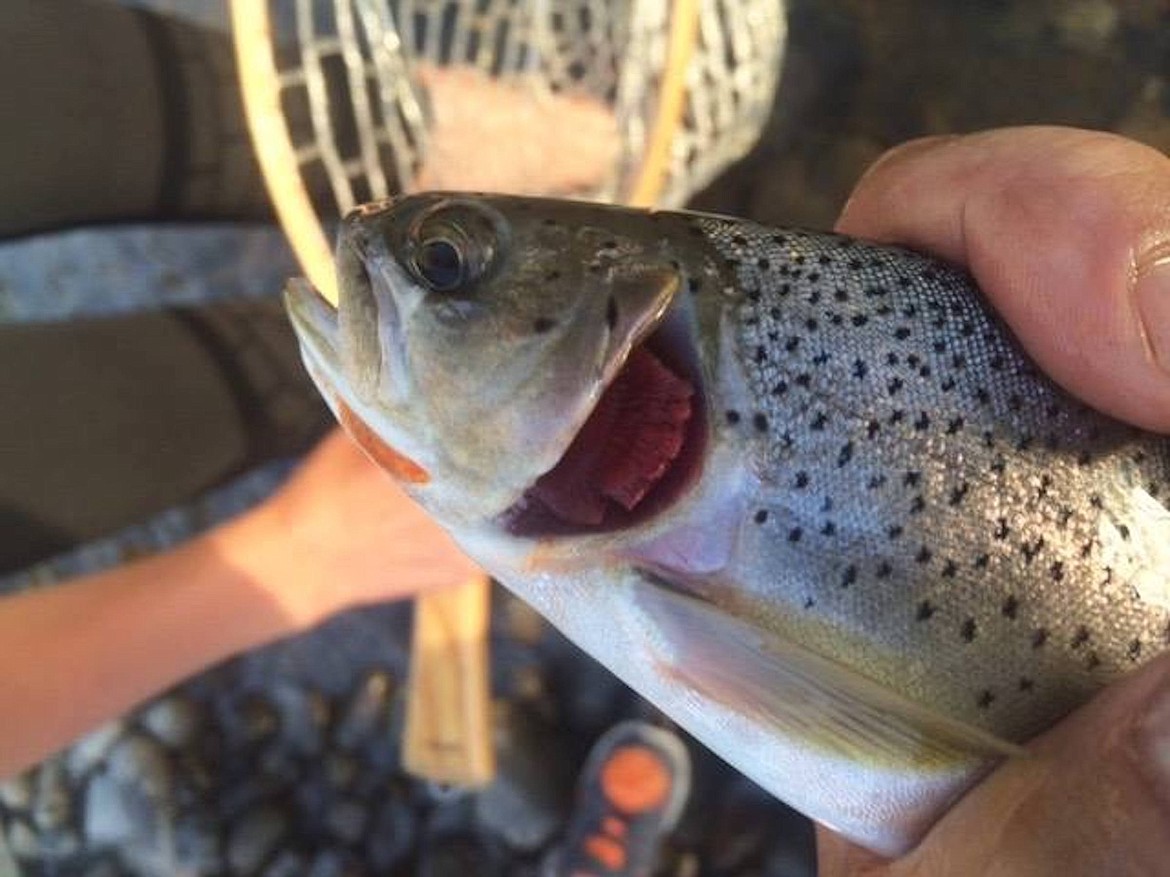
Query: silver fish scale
{"type": "Point", "coordinates": [948, 520]}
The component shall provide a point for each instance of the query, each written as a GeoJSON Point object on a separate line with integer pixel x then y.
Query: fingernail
{"type": "Point", "coordinates": [1152, 296]}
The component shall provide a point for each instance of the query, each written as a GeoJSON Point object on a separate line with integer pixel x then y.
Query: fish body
{"type": "Point", "coordinates": [805, 493]}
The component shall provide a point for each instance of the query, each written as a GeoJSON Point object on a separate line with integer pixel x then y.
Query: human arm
{"type": "Point", "coordinates": [338, 535]}
{"type": "Point", "coordinates": [1068, 234]}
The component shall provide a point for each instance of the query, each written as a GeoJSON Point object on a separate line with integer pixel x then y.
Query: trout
{"type": "Point", "coordinates": [806, 494]}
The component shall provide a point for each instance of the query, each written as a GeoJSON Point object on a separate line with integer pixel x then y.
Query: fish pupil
{"type": "Point", "coordinates": [440, 264]}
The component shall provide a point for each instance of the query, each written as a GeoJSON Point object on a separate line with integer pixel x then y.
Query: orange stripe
{"type": "Point", "coordinates": [613, 827]}
{"type": "Point", "coordinates": [399, 465]}
{"type": "Point", "coordinates": [635, 779]}
{"type": "Point", "coordinates": [607, 851]}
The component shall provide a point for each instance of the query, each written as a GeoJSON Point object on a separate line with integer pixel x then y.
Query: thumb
{"type": "Point", "coordinates": [1093, 797]}
{"type": "Point", "coordinates": [1067, 232]}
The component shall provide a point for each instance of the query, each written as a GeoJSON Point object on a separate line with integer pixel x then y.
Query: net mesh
{"type": "Point", "coordinates": [360, 80]}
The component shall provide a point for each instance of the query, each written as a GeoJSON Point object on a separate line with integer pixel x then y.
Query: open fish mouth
{"type": "Point", "coordinates": [636, 453]}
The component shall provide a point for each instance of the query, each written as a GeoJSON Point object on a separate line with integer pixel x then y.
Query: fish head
{"type": "Point", "coordinates": [473, 338]}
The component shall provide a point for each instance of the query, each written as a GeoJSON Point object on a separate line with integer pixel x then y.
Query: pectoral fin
{"type": "Point", "coordinates": [801, 694]}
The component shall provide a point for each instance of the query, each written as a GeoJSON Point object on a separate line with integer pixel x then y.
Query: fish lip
{"type": "Point", "coordinates": [667, 336]}
{"type": "Point", "coordinates": [314, 319]}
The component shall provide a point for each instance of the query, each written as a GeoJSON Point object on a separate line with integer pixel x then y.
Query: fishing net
{"type": "Point", "coordinates": [638, 101]}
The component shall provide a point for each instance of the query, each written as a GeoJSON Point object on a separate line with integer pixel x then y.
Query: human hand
{"type": "Point", "coordinates": [354, 536]}
{"type": "Point", "coordinates": [1068, 234]}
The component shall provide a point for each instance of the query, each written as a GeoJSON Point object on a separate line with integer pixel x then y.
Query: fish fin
{"type": "Point", "coordinates": [757, 673]}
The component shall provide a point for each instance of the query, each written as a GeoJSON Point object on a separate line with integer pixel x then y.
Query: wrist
{"type": "Point", "coordinates": [260, 547]}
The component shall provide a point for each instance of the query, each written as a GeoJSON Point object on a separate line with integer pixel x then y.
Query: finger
{"type": "Point", "coordinates": [1067, 232]}
{"type": "Point", "coordinates": [1093, 798]}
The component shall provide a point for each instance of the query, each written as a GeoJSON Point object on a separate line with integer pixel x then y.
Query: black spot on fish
{"type": "Point", "coordinates": [1010, 607]}
{"type": "Point", "coordinates": [611, 313]}
{"type": "Point", "coordinates": [761, 354]}
{"type": "Point", "coordinates": [542, 324]}
{"type": "Point", "coordinates": [809, 602]}
{"type": "Point", "coordinates": [986, 699]}
{"type": "Point", "coordinates": [1039, 637]}
{"type": "Point", "coordinates": [895, 386]}
{"type": "Point", "coordinates": [884, 570]}
{"type": "Point", "coordinates": [872, 429]}
{"type": "Point", "coordinates": [950, 569]}
{"type": "Point", "coordinates": [860, 319]}
{"type": "Point", "coordinates": [1031, 549]}
{"type": "Point", "coordinates": [1123, 531]}
{"type": "Point", "coordinates": [982, 396]}
{"type": "Point", "coordinates": [924, 555]}
{"type": "Point", "coordinates": [894, 532]}
{"type": "Point", "coordinates": [801, 480]}
{"type": "Point", "coordinates": [760, 421]}
{"type": "Point", "coordinates": [552, 276]}
{"type": "Point", "coordinates": [811, 324]}
{"type": "Point", "coordinates": [792, 343]}
{"type": "Point", "coordinates": [1056, 571]}
{"type": "Point", "coordinates": [958, 494]}
{"type": "Point", "coordinates": [967, 630]}
{"type": "Point", "coordinates": [897, 415]}
{"type": "Point", "coordinates": [828, 529]}
{"type": "Point", "coordinates": [795, 534]}
{"type": "Point", "coordinates": [761, 516]}
{"type": "Point", "coordinates": [954, 425]}
{"type": "Point", "coordinates": [763, 264]}
{"type": "Point", "coordinates": [840, 294]}
{"type": "Point", "coordinates": [1025, 684]}
{"type": "Point", "coordinates": [925, 611]}
{"type": "Point", "coordinates": [813, 276]}
{"type": "Point", "coordinates": [1134, 651]}
{"type": "Point", "coordinates": [912, 478]}
{"type": "Point", "coordinates": [779, 240]}
{"type": "Point", "coordinates": [694, 284]}
{"type": "Point", "coordinates": [824, 260]}
{"type": "Point", "coordinates": [849, 577]}
{"type": "Point", "coordinates": [854, 264]}
{"type": "Point", "coordinates": [1002, 530]}
{"type": "Point", "coordinates": [1092, 661]}
{"type": "Point", "coordinates": [803, 379]}
{"type": "Point", "coordinates": [779, 388]}
{"type": "Point", "coordinates": [982, 561]}
{"type": "Point", "coordinates": [845, 454]}
{"type": "Point", "coordinates": [1081, 637]}
{"type": "Point", "coordinates": [739, 240]}
{"type": "Point", "coordinates": [732, 417]}
{"type": "Point", "coordinates": [922, 422]}
{"type": "Point", "coordinates": [876, 481]}
{"type": "Point", "coordinates": [860, 369]}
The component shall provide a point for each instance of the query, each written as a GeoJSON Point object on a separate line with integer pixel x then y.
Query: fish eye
{"type": "Point", "coordinates": [440, 264]}
{"type": "Point", "coordinates": [453, 245]}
